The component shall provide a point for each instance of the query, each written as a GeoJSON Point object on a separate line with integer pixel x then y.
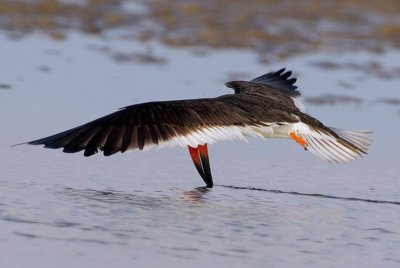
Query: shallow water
{"type": "Point", "coordinates": [143, 209]}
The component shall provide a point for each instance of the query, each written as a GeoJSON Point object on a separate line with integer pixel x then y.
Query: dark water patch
{"type": "Point", "coordinates": [143, 58]}
{"type": "Point", "coordinates": [304, 251]}
{"type": "Point", "coordinates": [310, 240]}
{"type": "Point", "coordinates": [389, 101]}
{"type": "Point", "coordinates": [95, 228]}
{"type": "Point", "coordinates": [19, 220]}
{"type": "Point", "coordinates": [381, 230]}
{"type": "Point", "coordinates": [57, 223]}
{"type": "Point", "coordinates": [329, 99]}
{"type": "Point", "coordinates": [65, 224]}
{"type": "Point", "coordinates": [393, 260]}
{"type": "Point", "coordinates": [78, 240]}
{"type": "Point", "coordinates": [99, 48]}
{"type": "Point", "coordinates": [52, 52]}
{"type": "Point", "coordinates": [83, 240]}
{"type": "Point", "coordinates": [96, 241]}
{"type": "Point", "coordinates": [355, 245]}
{"type": "Point", "coordinates": [369, 68]}
{"type": "Point", "coordinates": [44, 69]}
{"type": "Point", "coordinates": [326, 65]}
{"type": "Point", "coordinates": [303, 239]}
{"type": "Point", "coordinates": [261, 234]}
{"type": "Point", "coordinates": [220, 253]}
{"type": "Point", "coordinates": [313, 195]}
{"type": "Point", "coordinates": [147, 57]}
{"type": "Point", "coordinates": [186, 249]}
{"type": "Point", "coordinates": [371, 238]}
{"type": "Point", "coordinates": [5, 86]}
{"type": "Point", "coordinates": [180, 256]}
{"type": "Point", "coordinates": [26, 235]}
{"type": "Point", "coordinates": [239, 250]}
{"type": "Point", "coordinates": [345, 84]}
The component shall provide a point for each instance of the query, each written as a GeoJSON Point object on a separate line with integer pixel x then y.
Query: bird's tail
{"type": "Point", "coordinates": [334, 145]}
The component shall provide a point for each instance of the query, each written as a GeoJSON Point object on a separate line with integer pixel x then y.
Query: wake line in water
{"type": "Point", "coordinates": [312, 195]}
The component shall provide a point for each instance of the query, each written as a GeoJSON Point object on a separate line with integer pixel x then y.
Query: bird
{"type": "Point", "coordinates": [266, 107]}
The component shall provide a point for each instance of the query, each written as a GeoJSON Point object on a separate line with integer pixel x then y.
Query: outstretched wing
{"type": "Point", "coordinates": [183, 122]}
{"type": "Point", "coordinates": [279, 80]}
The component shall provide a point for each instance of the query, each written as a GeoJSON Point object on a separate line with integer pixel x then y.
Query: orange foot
{"type": "Point", "coordinates": [298, 139]}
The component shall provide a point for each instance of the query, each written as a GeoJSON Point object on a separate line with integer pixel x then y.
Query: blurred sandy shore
{"type": "Point", "coordinates": [275, 29]}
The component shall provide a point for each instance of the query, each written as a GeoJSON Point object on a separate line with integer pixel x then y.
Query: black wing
{"type": "Point", "coordinates": [279, 80]}
{"type": "Point", "coordinates": [140, 125]}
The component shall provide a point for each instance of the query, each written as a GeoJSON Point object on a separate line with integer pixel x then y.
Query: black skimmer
{"type": "Point", "coordinates": [264, 107]}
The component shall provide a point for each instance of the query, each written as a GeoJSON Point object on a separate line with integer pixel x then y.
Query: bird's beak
{"type": "Point", "coordinates": [229, 84]}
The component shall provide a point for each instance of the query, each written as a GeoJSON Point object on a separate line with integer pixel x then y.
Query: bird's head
{"type": "Point", "coordinates": [238, 86]}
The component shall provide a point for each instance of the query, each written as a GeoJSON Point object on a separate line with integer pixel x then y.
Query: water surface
{"type": "Point", "coordinates": [143, 209]}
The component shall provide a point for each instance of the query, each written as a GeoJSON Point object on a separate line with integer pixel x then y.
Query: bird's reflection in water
{"type": "Point", "coordinates": [197, 195]}
{"type": "Point", "coordinates": [115, 197]}
{"type": "Point", "coordinates": [136, 198]}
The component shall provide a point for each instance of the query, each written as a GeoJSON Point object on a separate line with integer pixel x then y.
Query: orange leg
{"type": "Point", "coordinates": [200, 159]}
{"type": "Point", "coordinates": [298, 139]}
{"type": "Point", "coordinates": [194, 153]}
